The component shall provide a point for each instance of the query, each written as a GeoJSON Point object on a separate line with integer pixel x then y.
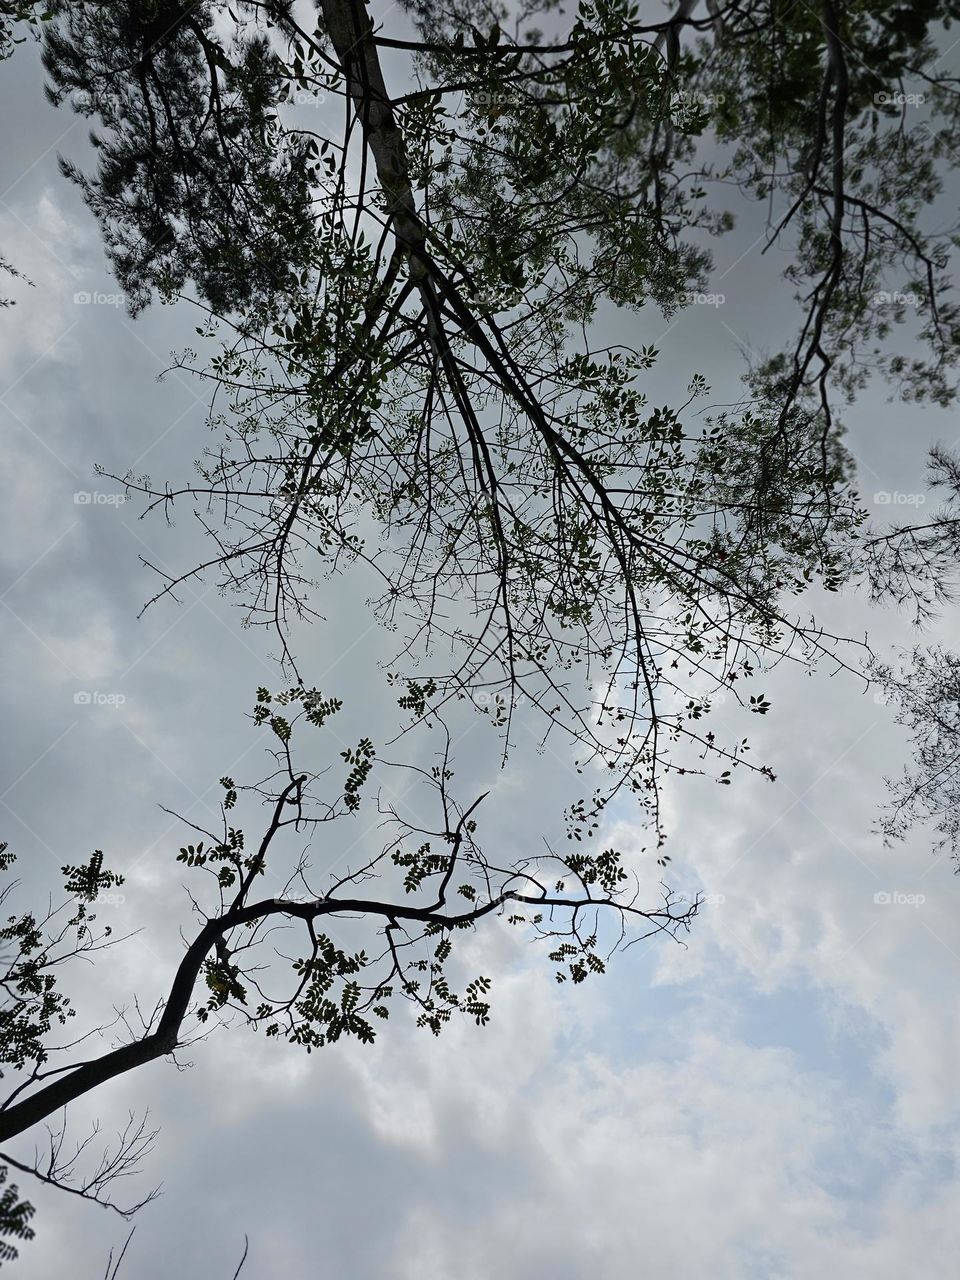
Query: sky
{"type": "Point", "coordinates": [774, 1098]}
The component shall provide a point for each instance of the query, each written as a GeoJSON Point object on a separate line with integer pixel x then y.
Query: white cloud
{"type": "Point", "coordinates": [47, 248]}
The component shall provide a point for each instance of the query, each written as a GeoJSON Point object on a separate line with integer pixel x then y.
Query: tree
{"type": "Point", "coordinates": [432, 885]}
{"type": "Point", "coordinates": [404, 288]}
{"type": "Point", "coordinates": [426, 302]}
{"type": "Point", "coordinates": [14, 16]}
{"type": "Point", "coordinates": [31, 1009]}
{"type": "Point", "coordinates": [915, 564]}
{"type": "Point", "coordinates": [926, 691]}
{"type": "Point", "coordinates": [813, 108]}
{"type": "Point", "coordinates": [413, 355]}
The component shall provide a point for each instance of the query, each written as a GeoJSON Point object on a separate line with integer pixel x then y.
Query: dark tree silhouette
{"type": "Point", "coordinates": [402, 278]}
{"type": "Point", "coordinates": [411, 377]}
{"type": "Point", "coordinates": [407, 905]}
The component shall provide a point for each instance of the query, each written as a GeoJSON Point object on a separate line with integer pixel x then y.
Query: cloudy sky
{"type": "Point", "coordinates": [775, 1099]}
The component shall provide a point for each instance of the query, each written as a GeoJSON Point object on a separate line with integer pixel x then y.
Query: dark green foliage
{"type": "Point", "coordinates": [195, 181]}
{"type": "Point", "coordinates": [602, 868]}
{"type": "Point", "coordinates": [86, 882]}
{"type": "Point", "coordinates": [420, 864]}
{"type": "Point", "coordinates": [925, 692]}
{"type": "Point", "coordinates": [846, 118]}
{"type": "Point", "coordinates": [416, 354]}
{"type": "Point", "coordinates": [337, 991]}
{"type": "Point", "coordinates": [15, 1215]}
{"type": "Point", "coordinates": [31, 950]}
{"type": "Point", "coordinates": [18, 19]}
